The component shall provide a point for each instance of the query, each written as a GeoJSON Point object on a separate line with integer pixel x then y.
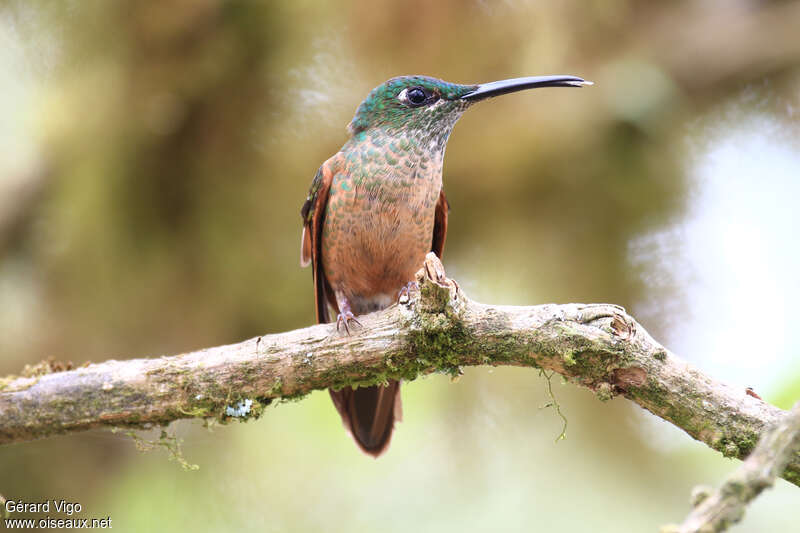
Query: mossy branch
{"type": "Point", "coordinates": [716, 511]}
{"type": "Point", "coordinates": [437, 328]}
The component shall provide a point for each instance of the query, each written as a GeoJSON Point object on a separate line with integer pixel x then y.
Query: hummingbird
{"type": "Point", "coordinates": [376, 208]}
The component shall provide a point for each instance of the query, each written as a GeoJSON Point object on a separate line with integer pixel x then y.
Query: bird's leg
{"type": "Point", "coordinates": [345, 313]}
{"type": "Point", "coordinates": [402, 295]}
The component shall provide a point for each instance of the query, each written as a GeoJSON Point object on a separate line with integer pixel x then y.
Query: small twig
{"type": "Point", "coordinates": [554, 403]}
{"type": "Point", "coordinates": [716, 511]}
{"type": "Point", "coordinates": [171, 443]}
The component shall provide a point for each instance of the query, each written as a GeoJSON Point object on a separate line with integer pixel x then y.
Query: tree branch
{"type": "Point", "coordinates": [437, 328]}
{"type": "Point", "coordinates": [717, 511]}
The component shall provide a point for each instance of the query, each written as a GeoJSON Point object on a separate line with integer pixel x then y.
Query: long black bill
{"type": "Point", "coordinates": [496, 88]}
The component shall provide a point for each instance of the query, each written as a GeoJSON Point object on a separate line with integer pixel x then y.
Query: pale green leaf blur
{"type": "Point", "coordinates": [153, 160]}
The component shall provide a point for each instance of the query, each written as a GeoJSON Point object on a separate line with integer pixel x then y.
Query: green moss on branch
{"type": "Point", "coordinates": [438, 329]}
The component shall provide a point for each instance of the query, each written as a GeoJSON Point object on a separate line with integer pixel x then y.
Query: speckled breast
{"type": "Point", "coordinates": [379, 221]}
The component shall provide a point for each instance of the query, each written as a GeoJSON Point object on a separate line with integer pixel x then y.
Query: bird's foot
{"type": "Point", "coordinates": [345, 316]}
{"type": "Point", "coordinates": [344, 319]}
{"type": "Point", "coordinates": [403, 294]}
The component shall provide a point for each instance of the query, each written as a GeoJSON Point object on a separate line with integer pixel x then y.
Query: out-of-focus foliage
{"type": "Point", "coordinates": [155, 158]}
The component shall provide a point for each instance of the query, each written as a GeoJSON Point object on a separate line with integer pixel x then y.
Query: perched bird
{"type": "Point", "coordinates": [377, 207]}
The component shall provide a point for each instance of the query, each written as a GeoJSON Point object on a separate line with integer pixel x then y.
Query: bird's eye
{"type": "Point", "coordinates": [416, 96]}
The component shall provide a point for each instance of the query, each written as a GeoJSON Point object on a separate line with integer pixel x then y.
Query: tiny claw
{"type": "Point", "coordinates": [403, 294]}
{"type": "Point", "coordinates": [458, 287]}
{"type": "Point", "coordinates": [344, 319]}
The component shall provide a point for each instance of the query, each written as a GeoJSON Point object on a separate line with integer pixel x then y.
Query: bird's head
{"type": "Point", "coordinates": [429, 106]}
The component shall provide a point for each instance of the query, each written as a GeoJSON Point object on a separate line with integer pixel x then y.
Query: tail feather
{"type": "Point", "coordinates": [369, 414]}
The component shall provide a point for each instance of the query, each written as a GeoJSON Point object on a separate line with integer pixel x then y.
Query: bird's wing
{"type": "Point", "coordinates": [440, 225]}
{"type": "Point", "coordinates": [313, 214]}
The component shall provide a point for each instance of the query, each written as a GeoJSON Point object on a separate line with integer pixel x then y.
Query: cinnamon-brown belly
{"type": "Point", "coordinates": [371, 250]}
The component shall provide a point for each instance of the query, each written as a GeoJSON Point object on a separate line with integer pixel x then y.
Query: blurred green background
{"type": "Point", "coordinates": [153, 160]}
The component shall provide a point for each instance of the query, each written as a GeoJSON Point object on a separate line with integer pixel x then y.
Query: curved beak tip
{"type": "Point", "coordinates": [497, 88]}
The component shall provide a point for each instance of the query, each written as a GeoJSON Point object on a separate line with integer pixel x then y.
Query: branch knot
{"type": "Point", "coordinates": [438, 293]}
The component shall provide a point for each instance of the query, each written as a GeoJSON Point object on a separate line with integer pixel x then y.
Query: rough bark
{"type": "Point", "coordinates": [598, 346]}
{"type": "Point", "coordinates": [717, 511]}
